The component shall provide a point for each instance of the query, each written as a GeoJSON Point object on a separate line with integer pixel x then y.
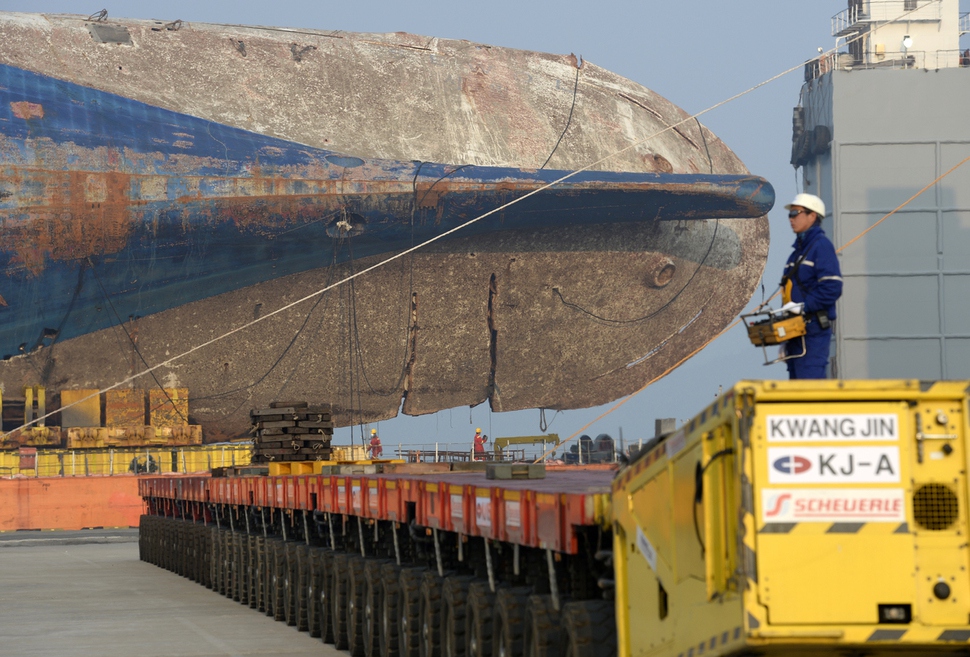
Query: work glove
{"type": "Point", "coordinates": [793, 308]}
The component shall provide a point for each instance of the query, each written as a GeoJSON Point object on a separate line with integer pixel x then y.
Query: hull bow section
{"type": "Point", "coordinates": [134, 231]}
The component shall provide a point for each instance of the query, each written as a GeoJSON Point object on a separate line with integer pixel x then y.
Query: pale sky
{"type": "Point", "coordinates": [696, 54]}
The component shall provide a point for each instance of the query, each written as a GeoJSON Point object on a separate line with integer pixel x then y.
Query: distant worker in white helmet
{"type": "Point", "coordinates": [811, 285]}
{"type": "Point", "coordinates": [479, 443]}
{"type": "Point", "coordinates": [375, 448]}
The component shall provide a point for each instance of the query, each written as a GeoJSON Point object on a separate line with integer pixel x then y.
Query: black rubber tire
{"type": "Point", "coordinates": [228, 581]}
{"type": "Point", "coordinates": [214, 558]}
{"type": "Point", "coordinates": [325, 592]}
{"type": "Point", "coordinates": [143, 537]}
{"type": "Point", "coordinates": [455, 595]}
{"type": "Point", "coordinates": [430, 614]}
{"type": "Point", "coordinates": [373, 606]}
{"type": "Point", "coordinates": [269, 583]}
{"type": "Point", "coordinates": [479, 626]}
{"type": "Point", "coordinates": [260, 577]}
{"type": "Point", "coordinates": [252, 578]}
{"type": "Point", "coordinates": [198, 553]}
{"type": "Point", "coordinates": [509, 620]}
{"type": "Point", "coordinates": [314, 580]}
{"type": "Point", "coordinates": [237, 567]}
{"type": "Point", "coordinates": [409, 609]}
{"type": "Point", "coordinates": [277, 590]}
{"type": "Point", "coordinates": [192, 550]}
{"type": "Point", "coordinates": [338, 600]}
{"type": "Point", "coordinates": [590, 628]}
{"type": "Point", "coordinates": [300, 598]}
{"type": "Point", "coordinates": [356, 586]}
{"type": "Point", "coordinates": [205, 546]}
{"type": "Point", "coordinates": [545, 635]}
{"type": "Point", "coordinates": [288, 579]}
{"type": "Point", "coordinates": [390, 615]}
{"type": "Point", "coordinates": [181, 559]}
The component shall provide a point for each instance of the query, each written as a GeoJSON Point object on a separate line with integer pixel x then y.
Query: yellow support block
{"type": "Point", "coordinates": [290, 467]}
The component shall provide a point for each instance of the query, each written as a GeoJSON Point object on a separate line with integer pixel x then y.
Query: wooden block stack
{"type": "Point", "coordinates": [292, 431]}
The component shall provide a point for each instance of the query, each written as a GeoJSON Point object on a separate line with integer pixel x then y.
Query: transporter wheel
{"type": "Point", "coordinates": [205, 556]}
{"type": "Point", "coordinates": [590, 628]}
{"type": "Point", "coordinates": [509, 619]}
{"type": "Point", "coordinates": [430, 614]}
{"type": "Point", "coordinates": [409, 611]}
{"type": "Point", "coordinates": [212, 581]}
{"type": "Point", "coordinates": [544, 633]}
{"type": "Point", "coordinates": [479, 627]}
{"type": "Point", "coordinates": [324, 594]}
{"type": "Point", "coordinates": [192, 552]}
{"type": "Point", "coordinates": [312, 590]}
{"type": "Point", "coordinates": [289, 580]}
{"type": "Point", "coordinates": [269, 577]}
{"type": "Point", "coordinates": [218, 553]}
{"type": "Point", "coordinates": [356, 586]}
{"type": "Point", "coordinates": [236, 567]}
{"type": "Point", "coordinates": [278, 590]}
{"type": "Point", "coordinates": [163, 544]}
{"type": "Point", "coordinates": [227, 563]}
{"type": "Point", "coordinates": [300, 597]}
{"type": "Point", "coordinates": [178, 549]}
{"type": "Point", "coordinates": [185, 548]}
{"type": "Point", "coordinates": [142, 537]}
{"type": "Point", "coordinates": [338, 600]}
{"type": "Point", "coordinates": [197, 544]}
{"type": "Point", "coordinates": [180, 559]}
{"type": "Point", "coordinates": [242, 570]}
{"type": "Point", "coordinates": [455, 594]}
{"type": "Point", "coordinates": [373, 606]}
{"type": "Point", "coordinates": [389, 616]}
{"type": "Point", "coordinates": [259, 575]}
{"type": "Point", "coordinates": [252, 576]}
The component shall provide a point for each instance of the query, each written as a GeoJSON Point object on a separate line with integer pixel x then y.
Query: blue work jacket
{"type": "Point", "coordinates": [817, 282]}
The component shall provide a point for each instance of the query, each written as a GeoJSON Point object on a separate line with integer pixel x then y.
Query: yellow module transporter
{"type": "Point", "coordinates": [800, 518]}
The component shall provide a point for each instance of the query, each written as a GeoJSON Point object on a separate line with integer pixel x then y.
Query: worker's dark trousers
{"type": "Point", "coordinates": [812, 364]}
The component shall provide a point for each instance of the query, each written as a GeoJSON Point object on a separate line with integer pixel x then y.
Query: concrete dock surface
{"type": "Point", "coordinates": [87, 593]}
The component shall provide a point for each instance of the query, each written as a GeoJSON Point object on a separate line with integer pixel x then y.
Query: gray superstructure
{"type": "Point", "coordinates": [876, 123]}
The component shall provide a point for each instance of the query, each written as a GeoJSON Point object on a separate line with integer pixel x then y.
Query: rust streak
{"type": "Point", "coordinates": [26, 110]}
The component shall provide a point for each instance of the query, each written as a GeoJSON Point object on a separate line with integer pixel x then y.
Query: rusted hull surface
{"type": "Point", "coordinates": [535, 308]}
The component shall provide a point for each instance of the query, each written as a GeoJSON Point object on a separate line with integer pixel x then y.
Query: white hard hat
{"type": "Point", "coordinates": [809, 202]}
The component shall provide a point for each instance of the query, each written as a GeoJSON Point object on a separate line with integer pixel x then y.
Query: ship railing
{"type": "Point", "coordinates": [900, 60]}
{"type": "Point", "coordinates": [852, 19]}
{"type": "Point", "coordinates": [124, 461]}
{"type": "Point", "coordinates": [460, 453]}
{"type": "Point", "coordinates": [847, 21]}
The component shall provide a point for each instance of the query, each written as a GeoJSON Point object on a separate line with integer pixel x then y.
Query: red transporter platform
{"type": "Point", "coordinates": [367, 560]}
{"type": "Point", "coordinates": [540, 513]}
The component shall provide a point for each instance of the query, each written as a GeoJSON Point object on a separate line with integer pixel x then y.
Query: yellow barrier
{"type": "Point", "coordinates": [73, 463]}
{"type": "Point", "coordinates": [348, 453]}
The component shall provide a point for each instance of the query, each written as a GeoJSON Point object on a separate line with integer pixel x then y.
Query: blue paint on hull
{"type": "Point", "coordinates": [111, 208]}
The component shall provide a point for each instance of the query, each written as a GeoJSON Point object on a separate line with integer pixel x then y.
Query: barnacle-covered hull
{"type": "Point", "coordinates": [162, 185]}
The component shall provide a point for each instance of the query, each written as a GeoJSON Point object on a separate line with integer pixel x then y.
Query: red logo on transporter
{"type": "Point", "coordinates": [848, 507]}
{"type": "Point", "coordinates": [792, 464]}
{"type": "Point", "coordinates": [778, 505]}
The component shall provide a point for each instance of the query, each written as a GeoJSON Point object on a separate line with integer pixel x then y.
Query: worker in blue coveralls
{"type": "Point", "coordinates": [811, 285]}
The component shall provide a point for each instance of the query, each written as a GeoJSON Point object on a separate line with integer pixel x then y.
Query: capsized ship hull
{"type": "Point", "coordinates": [174, 216]}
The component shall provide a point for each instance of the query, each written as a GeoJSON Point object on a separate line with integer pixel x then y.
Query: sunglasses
{"type": "Point", "coordinates": [794, 213]}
